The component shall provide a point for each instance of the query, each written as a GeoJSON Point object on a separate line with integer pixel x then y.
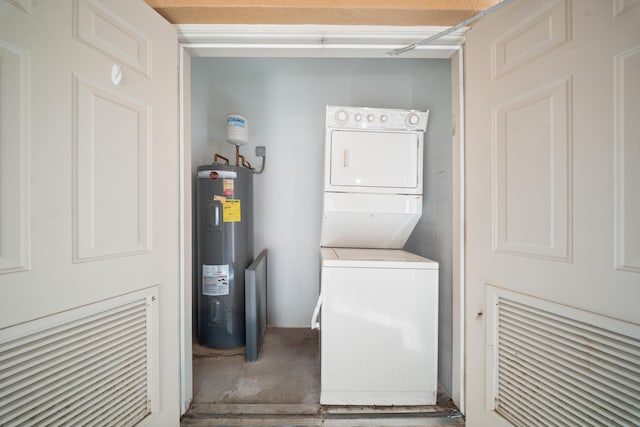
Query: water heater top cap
{"type": "Point", "coordinates": [237, 129]}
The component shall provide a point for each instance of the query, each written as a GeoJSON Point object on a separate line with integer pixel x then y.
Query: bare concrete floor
{"type": "Point", "coordinates": [282, 388]}
{"type": "Point", "coordinates": [287, 371]}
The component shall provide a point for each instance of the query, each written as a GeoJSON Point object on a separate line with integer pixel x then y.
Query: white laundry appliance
{"type": "Point", "coordinates": [378, 304]}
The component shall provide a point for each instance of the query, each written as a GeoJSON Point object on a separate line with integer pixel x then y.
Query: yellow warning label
{"type": "Point", "coordinates": [231, 211]}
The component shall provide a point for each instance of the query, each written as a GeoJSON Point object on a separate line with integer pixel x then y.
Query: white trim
{"type": "Point", "coordinates": [310, 41]}
{"type": "Point", "coordinates": [324, 41]}
{"type": "Point", "coordinates": [305, 34]}
{"type": "Point", "coordinates": [460, 367]}
{"type": "Point", "coordinates": [458, 184]}
{"type": "Point", "coordinates": [313, 50]}
{"type": "Point", "coordinates": [186, 333]}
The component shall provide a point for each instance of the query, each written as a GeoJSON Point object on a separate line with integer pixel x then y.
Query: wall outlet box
{"type": "Point", "coordinates": [261, 151]}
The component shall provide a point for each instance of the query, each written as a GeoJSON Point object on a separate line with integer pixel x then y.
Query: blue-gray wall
{"type": "Point", "coordinates": [284, 100]}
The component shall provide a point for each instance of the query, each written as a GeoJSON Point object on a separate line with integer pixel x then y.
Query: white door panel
{"type": "Point", "coordinates": [552, 199]}
{"type": "Point", "coordinates": [15, 244]}
{"type": "Point", "coordinates": [89, 170]}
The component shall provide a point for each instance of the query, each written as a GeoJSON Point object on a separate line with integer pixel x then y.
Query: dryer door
{"type": "Point", "coordinates": [374, 162]}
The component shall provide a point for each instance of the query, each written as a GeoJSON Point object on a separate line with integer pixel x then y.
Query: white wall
{"type": "Point", "coordinates": [284, 101]}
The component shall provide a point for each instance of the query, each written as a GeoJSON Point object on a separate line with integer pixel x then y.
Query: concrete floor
{"type": "Point", "coordinates": [287, 371]}
{"type": "Point", "coordinates": [282, 388]}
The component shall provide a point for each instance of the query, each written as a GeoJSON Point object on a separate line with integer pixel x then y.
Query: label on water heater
{"type": "Point", "coordinates": [215, 280]}
{"type": "Point", "coordinates": [231, 211]}
{"type": "Point", "coordinates": [227, 186]}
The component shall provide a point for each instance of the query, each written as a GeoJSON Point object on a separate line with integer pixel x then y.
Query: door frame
{"type": "Point", "coordinates": [317, 41]}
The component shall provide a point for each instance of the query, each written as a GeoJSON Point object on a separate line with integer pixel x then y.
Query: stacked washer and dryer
{"type": "Point", "coordinates": [378, 304]}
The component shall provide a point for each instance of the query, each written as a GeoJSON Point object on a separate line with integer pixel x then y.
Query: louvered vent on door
{"type": "Point", "coordinates": [90, 366]}
{"type": "Point", "coordinates": [557, 366]}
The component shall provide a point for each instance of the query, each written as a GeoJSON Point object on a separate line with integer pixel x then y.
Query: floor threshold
{"type": "Point", "coordinates": [308, 415]}
{"type": "Point", "coordinates": [314, 409]}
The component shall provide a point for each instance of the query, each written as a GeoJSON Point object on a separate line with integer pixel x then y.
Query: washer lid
{"type": "Point", "coordinates": [374, 258]}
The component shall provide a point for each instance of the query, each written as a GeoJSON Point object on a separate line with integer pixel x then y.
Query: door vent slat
{"type": "Point", "coordinates": [601, 361]}
{"type": "Point", "coordinates": [88, 366]}
{"type": "Point", "coordinates": [562, 364]}
{"type": "Point", "coordinates": [555, 365]}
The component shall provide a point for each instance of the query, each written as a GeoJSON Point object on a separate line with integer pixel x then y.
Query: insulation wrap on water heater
{"type": "Point", "coordinates": [225, 248]}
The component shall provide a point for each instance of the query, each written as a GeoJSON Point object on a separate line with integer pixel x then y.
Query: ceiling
{"type": "Point", "coordinates": [320, 12]}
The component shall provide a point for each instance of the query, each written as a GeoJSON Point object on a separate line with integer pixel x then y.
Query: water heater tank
{"type": "Point", "coordinates": [225, 249]}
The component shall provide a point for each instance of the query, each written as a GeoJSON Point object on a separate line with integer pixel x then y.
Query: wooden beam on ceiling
{"type": "Point", "coordinates": [320, 12]}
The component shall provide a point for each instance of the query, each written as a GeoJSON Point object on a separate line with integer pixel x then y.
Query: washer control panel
{"type": "Point", "coordinates": [376, 118]}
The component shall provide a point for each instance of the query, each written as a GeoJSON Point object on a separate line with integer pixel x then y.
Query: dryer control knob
{"type": "Point", "coordinates": [341, 117]}
{"type": "Point", "coordinates": [384, 118]}
{"type": "Point", "coordinates": [371, 117]}
{"type": "Point", "coordinates": [413, 119]}
{"type": "Point", "coordinates": [358, 117]}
